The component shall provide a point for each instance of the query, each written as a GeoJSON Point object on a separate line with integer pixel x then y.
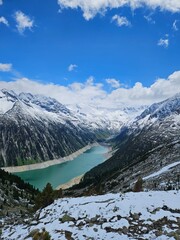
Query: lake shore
{"type": "Point", "coordinates": [77, 179]}
{"type": "Point", "coordinates": [71, 183]}
{"type": "Point", "coordinates": [50, 162]}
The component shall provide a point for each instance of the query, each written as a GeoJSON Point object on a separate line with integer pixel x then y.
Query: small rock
{"type": "Point", "coordinates": [68, 235]}
{"type": "Point", "coordinates": [135, 216]}
{"type": "Point", "coordinates": [81, 223]}
{"type": "Point", "coordinates": [171, 234]}
{"type": "Point", "coordinates": [94, 219]}
{"type": "Point", "coordinates": [87, 220]}
{"type": "Point", "coordinates": [102, 220]}
{"type": "Point", "coordinates": [91, 224]}
{"type": "Point", "coordinates": [178, 232]}
{"type": "Point", "coordinates": [115, 209]}
{"type": "Point", "coordinates": [33, 232]}
{"type": "Point", "coordinates": [124, 230]}
{"type": "Point", "coordinates": [67, 218]}
{"type": "Point", "coordinates": [165, 207]}
{"type": "Point", "coordinates": [158, 233]}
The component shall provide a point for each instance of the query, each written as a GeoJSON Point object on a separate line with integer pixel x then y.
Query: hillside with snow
{"type": "Point", "coordinates": [144, 215]}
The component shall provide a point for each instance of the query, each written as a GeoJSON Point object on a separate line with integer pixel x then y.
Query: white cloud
{"type": "Point", "coordinates": [163, 42]}
{"type": "Point", "coordinates": [175, 27]}
{"type": "Point", "coordinates": [113, 82]}
{"type": "Point", "coordinates": [72, 67]}
{"type": "Point", "coordinates": [149, 19]}
{"type": "Point", "coordinates": [5, 67]}
{"type": "Point", "coordinates": [90, 92]}
{"type": "Point", "coordinates": [4, 21]}
{"type": "Point", "coordinates": [1, 2]}
{"type": "Point", "coordinates": [121, 21]}
{"type": "Point", "coordinates": [92, 7]}
{"type": "Point", "coordinates": [23, 22]}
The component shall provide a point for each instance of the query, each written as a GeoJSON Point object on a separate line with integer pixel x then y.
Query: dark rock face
{"type": "Point", "coordinates": [37, 129]}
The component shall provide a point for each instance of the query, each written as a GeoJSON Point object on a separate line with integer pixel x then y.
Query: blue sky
{"type": "Point", "coordinates": [67, 41]}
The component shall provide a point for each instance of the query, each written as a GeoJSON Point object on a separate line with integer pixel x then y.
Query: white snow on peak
{"type": "Point", "coordinates": [102, 117]}
{"type": "Point", "coordinates": [6, 103]}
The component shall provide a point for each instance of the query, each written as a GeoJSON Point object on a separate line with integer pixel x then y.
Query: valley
{"type": "Point", "coordinates": [90, 120]}
{"type": "Point", "coordinates": [116, 162]}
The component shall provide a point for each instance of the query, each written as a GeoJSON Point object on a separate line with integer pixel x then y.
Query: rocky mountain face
{"type": "Point", "coordinates": [143, 147]}
{"type": "Point", "coordinates": [36, 128]}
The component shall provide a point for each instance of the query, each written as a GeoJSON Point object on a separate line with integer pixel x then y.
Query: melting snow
{"type": "Point", "coordinates": [104, 217]}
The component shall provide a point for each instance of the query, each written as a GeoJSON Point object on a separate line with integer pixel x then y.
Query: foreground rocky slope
{"type": "Point", "coordinates": [17, 198]}
{"type": "Point", "coordinates": [144, 215]}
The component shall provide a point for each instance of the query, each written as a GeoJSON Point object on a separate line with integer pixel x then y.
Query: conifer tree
{"type": "Point", "coordinates": [45, 198]}
{"type": "Point", "coordinates": [138, 187]}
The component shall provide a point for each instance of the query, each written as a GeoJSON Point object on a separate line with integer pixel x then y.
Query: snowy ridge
{"type": "Point", "coordinates": [34, 106]}
{"type": "Point", "coordinates": [167, 112]}
{"type": "Point", "coordinates": [163, 170]}
{"type": "Point", "coordinates": [110, 216]}
{"type": "Point", "coordinates": [162, 109]}
{"type": "Point", "coordinates": [46, 108]}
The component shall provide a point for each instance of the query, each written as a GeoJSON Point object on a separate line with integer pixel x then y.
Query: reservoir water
{"type": "Point", "coordinates": [64, 172]}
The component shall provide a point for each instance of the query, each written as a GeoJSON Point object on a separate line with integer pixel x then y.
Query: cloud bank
{"type": "Point", "coordinates": [92, 7]}
{"type": "Point", "coordinates": [90, 92]}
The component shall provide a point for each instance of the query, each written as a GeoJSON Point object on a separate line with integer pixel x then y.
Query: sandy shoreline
{"type": "Point", "coordinates": [72, 182]}
{"type": "Point", "coordinates": [49, 163]}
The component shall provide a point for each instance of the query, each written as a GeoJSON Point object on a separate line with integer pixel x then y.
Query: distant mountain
{"type": "Point", "coordinates": [108, 120]}
{"type": "Point", "coordinates": [144, 146]}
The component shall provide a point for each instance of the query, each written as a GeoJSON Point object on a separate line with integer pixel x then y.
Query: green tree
{"type": "Point", "coordinates": [15, 194]}
{"type": "Point", "coordinates": [45, 198]}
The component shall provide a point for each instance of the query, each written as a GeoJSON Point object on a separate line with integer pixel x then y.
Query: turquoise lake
{"type": "Point", "coordinates": [64, 172]}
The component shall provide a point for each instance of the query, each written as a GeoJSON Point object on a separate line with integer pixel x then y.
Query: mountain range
{"type": "Point", "coordinates": [35, 128]}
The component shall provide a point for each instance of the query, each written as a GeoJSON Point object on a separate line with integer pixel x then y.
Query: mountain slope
{"type": "Point", "coordinates": [36, 128]}
{"type": "Point", "coordinates": [146, 145]}
{"type": "Point", "coordinates": [17, 198]}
